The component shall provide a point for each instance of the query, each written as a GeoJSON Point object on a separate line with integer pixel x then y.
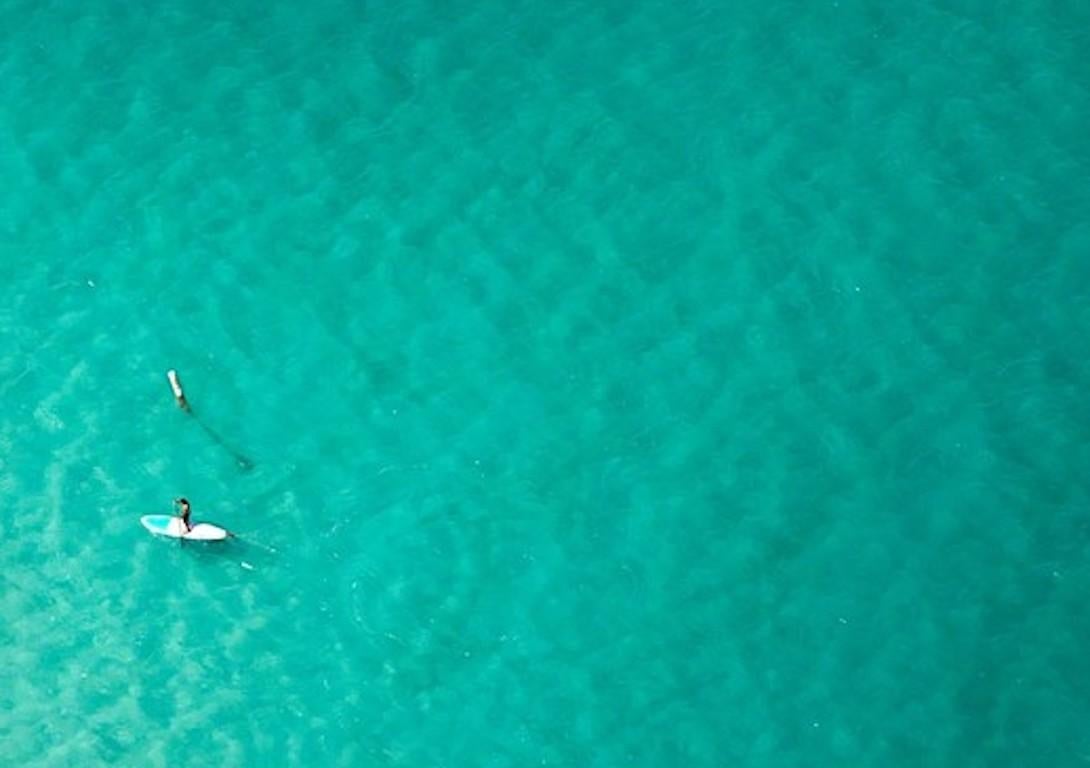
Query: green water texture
{"type": "Point", "coordinates": [638, 383]}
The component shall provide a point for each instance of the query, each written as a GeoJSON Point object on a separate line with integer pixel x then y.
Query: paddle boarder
{"type": "Point", "coordinates": [183, 504]}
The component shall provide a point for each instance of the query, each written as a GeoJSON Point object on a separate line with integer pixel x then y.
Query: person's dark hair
{"type": "Point", "coordinates": [182, 500]}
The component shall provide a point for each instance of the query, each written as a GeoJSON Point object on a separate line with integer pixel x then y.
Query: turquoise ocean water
{"type": "Point", "coordinates": [626, 383]}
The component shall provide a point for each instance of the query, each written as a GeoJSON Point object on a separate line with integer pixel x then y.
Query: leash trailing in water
{"type": "Point", "coordinates": [243, 462]}
{"type": "Point", "coordinates": [246, 538]}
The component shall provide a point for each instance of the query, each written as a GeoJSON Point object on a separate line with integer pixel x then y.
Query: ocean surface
{"type": "Point", "coordinates": [643, 383]}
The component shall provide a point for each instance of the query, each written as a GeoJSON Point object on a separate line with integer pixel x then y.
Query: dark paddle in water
{"type": "Point", "coordinates": [179, 397]}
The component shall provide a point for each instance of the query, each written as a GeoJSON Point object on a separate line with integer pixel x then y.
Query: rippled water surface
{"type": "Point", "coordinates": [645, 383]}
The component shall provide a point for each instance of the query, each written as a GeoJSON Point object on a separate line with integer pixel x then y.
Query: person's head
{"type": "Point", "coordinates": [183, 503]}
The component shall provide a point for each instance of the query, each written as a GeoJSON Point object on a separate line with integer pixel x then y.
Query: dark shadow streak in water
{"type": "Point", "coordinates": [243, 462]}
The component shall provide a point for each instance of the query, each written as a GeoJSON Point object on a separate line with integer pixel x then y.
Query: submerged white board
{"type": "Point", "coordinates": [168, 525]}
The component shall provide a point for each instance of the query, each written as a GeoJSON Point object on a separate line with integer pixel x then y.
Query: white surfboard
{"type": "Point", "coordinates": [169, 525]}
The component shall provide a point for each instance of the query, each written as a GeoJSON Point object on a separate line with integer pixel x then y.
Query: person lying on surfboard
{"type": "Point", "coordinates": [183, 503]}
